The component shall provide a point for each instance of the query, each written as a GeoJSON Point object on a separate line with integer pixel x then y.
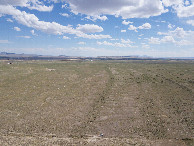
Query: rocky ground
{"type": "Point", "coordinates": [97, 103]}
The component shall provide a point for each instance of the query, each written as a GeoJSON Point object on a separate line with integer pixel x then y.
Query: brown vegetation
{"type": "Point", "coordinates": [66, 103]}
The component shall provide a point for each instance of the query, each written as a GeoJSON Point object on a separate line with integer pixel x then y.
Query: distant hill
{"type": "Point", "coordinates": [14, 56]}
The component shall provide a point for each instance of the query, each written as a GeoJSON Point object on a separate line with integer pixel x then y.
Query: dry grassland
{"type": "Point", "coordinates": [72, 103]}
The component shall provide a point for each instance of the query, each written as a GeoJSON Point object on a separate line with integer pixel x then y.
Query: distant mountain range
{"type": "Point", "coordinates": [14, 56]}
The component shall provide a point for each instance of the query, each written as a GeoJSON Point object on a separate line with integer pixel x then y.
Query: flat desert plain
{"type": "Point", "coordinates": [97, 103]}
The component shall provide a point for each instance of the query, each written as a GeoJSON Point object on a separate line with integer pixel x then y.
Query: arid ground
{"type": "Point", "coordinates": [73, 103]}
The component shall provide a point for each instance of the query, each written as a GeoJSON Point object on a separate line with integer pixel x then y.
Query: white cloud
{"type": "Point", "coordinates": [66, 38]}
{"type": "Point", "coordinates": [123, 30]}
{"type": "Point", "coordinates": [4, 42]}
{"type": "Point", "coordinates": [89, 28]}
{"type": "Point", "coordinates": [168, 3]}
{"type": "Point", "coordinates": [30, 4]}
{"type": "Point", "coordinates": [145, 46]}
{"type": "Point", "coordinates": [26, 37]}
{"type": "Point", "coordinates": [64, 14]}
{"type": "Point", "coordinates": [97, 17]}
{"type": "Point", "coordinates": [126, 22]}
{"type": "Point", "coordinates": [171, 26]}
{"type": "Point", "coordinates": [124, 8]}
{"type": "Point", "coordinates": [9, 20]}
{"type": "Point", "coordinates": [131, 27]}
{"type": "Point", "coordinates": [178, 32]}
{"type": "Point", "coordinates": [191, 22]}
{"type": "Point", "coordinates": [64, 6]}
{"type": "Point", "coordinates": [153, 40]}
{"type": "Point", "coordinates": [17, 29]}
{"type": "Point", "coordinates": [183, 43]}
{"type": "Point", "coordinates": [161, 33]}
{"type": "Point", "coordinates": [168, 39]}
{"type": "Point", "coordinates": [32, 32]}
{"type": "Point", "coordinates": [145, 26]}
{"type": "Point", "coordinates": [82, 43]}
{"type": "Point", "coordinates": [14, 2]}
{"type": "Point", "coordinates": [93, 36]}
{"type": "Point", "coordinates": [114, 39]}
{"type": "Point", "coordinates": [182, 8]}
{"type": "Point", "coordinates": [185, 11]}
{"type": "Point", "coordinates": [178, 37]}
{"type": "Point", "coordinates": [105, 43]}
{"type": "Point", "coordinates": [30, 20]}
{"type": "Point", "coordinates": [126, 41]}
{"type": "Point", "coordinates": [86, 49]}
{"type": "Point", "coordinates": [126, 44]}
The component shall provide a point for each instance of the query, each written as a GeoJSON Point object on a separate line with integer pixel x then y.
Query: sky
{"type": "Point", "coordinates": [157, 28]}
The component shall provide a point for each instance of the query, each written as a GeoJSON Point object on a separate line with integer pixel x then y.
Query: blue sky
{"type": "Point", "coordinates": [159, 28]}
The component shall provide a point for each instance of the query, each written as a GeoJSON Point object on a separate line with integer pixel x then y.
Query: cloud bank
{"type": "Point", "coordinates": [30, 20]}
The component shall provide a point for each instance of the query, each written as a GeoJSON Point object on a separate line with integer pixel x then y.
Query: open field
{"type": "Point", "coordinates": [72, 103]}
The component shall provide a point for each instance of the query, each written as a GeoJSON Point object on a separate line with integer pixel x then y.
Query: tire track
{"type": "Point", "coordinates": [87, 127]}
